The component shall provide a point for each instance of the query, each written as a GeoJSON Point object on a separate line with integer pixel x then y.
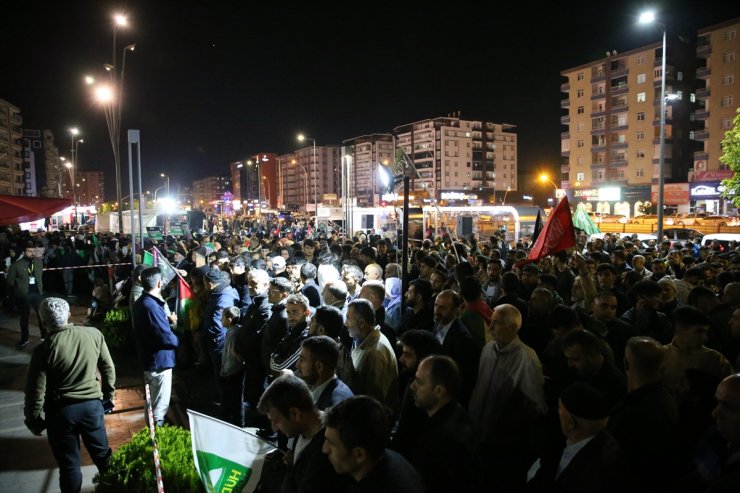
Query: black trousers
{"type": "Point", "coordinates": [65, 425]}
{"type": "Point", "coordinates": [24, 304]}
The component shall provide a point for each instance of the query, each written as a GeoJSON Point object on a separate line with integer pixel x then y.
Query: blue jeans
{"type": "Point", "coordinates": [65, 425]}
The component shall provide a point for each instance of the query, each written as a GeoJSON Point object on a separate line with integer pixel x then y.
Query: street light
{"type": "Point", "coordinates": [168, 182]}
{"type": "Point", "coordinates": [649, 17]}
{"type": "Point", "coordinates": [302, 138]}
{"type": "Point", "coordinates": [74, 132]}
{"type": "Point", "coordinates": [544, 178]}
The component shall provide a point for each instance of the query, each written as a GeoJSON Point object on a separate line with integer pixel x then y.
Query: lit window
{"type": "Point", "coordinates": [640, 97]}
{"type": "Point", "coordinates": [641, 78]}
{"type": "Point", "coordinates": [580, 176]}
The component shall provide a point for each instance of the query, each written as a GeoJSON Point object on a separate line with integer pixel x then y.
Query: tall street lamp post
{"type": "Point", "coordinates": [649, 18]}
{"type": "Point", "coordinates": [302, 138]}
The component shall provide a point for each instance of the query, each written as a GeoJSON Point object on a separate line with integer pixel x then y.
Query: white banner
{"type": "Point", "coordinates": [228, 458]}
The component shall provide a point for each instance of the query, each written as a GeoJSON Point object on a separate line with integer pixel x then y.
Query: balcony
{"type": "Point", "coordinates": [701, 156]}
{"type": "Point", "coordinates": [701, 135]}
{"type": "Point", "coordinates": [564, 135]}
{"type": "Point", "coordinates": [617, 161]}
{"type": "Point", "coordinates": [619, 145]}
{"type": "Point", "coordinates": [598, 95]}
{"type": "Point", "coordinates": [620, 108]}
{"type": "Point", "coordinates": [565, 152]}
{"type": "Point", "coordinates": [598, 76]}
{"type": "Point", "coordinates": [565, 103]}
{"type": "Point", "coordinates": [703, 73]}
{"type": "Point", "coordinates": [620, 89]}
{"type": "Point", "coordinates": [598, 165]}
{"type": "Point", "coordinates": [598, 131]}
{"type": "Point", "coordinates": [702, 93]}
{"type": "Point", "coordinates": [703, 50]}
{"type": "Point", "coordinates": [701, 115]}
{"type": "Point", "coordinates": [622, 71]}
{"type": "Point", "coordinates": [565, 120]}
{"type": "Point", "coordinates": [565, 168]}
{"type": "Point", "coordinates": [565, 87]}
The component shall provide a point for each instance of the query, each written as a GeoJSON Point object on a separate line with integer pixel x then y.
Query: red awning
{"type": "Point", "coordinates": [16, 209]}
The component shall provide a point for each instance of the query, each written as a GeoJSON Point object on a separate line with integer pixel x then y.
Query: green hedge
{"type": "Point", "coordinates": [131, 468]}
{"type": "Point", "coordinates": [117, 331]}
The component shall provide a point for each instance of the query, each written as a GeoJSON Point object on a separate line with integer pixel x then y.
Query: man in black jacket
{"type": "Point", "coordinates": [248, 341]}
{"type": "Point", "coordinates": [277, 325]}
{"type": "Point", "coordinates": [444, 451]}
{"type": "Point", "coordinates": [288, 404]}
{"type": "Point", "coordinates": [25, 282]}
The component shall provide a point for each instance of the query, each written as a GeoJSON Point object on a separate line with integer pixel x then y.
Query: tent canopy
{"type": "Point", "coordinates": [15, 209]}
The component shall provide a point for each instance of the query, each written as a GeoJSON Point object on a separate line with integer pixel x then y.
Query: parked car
{"type": "Point", "coordinates": [725, 240]}
{"type": "Point", "coordinates": [682, 234]}
{"type": "Point", "coordinates": [689, 219]}
{"type": "Point", "coordinates": [717, 221]}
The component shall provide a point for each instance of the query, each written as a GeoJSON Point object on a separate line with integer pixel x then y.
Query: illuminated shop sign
{"type": "Point", "coordinates": [609, 194]}
{"type": "Point", "coordinates": [706, 190]}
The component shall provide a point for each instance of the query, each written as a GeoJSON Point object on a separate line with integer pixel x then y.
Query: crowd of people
{"type": "Point", "coordinates": [609, 367]}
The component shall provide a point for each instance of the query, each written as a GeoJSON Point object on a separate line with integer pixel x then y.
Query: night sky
{"type": "Point", "coordinates": [211, 82]}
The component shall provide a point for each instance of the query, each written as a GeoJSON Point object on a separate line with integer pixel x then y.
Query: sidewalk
{"type": "Point", "coordinates": [26, 461]}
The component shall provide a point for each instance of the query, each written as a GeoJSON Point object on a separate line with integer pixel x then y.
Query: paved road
{"type": "Point", "coordinates": [26, 461]}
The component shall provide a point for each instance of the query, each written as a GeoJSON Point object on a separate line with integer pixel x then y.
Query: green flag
{"type": "Point", "coordinates": [147, 259]}
{"type": "Point", "coordinates": [582, 220]}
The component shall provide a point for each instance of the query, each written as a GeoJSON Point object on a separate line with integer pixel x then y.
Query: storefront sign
{"type": "Point", "coordinates": [713, 175]}
{"type": "Point", "coordinates": [706, 190]}
{"type": "Point", "coordinates": [607, 194]}
{"type": "Point", "coordinates": [458, 196]}
{"type": "Point", "coordinates": [673, 193]}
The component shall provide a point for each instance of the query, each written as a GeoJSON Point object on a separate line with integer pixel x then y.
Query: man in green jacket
{"type": "Point", "coordinates": [62, 382]}
{"type": "Point", "coordinates": [26, 286]}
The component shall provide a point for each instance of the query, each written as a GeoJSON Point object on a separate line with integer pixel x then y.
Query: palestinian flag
{"type": "Point", "coordinates": [184, 298]}
{"type": "Point", "coordinates": [228, 458]}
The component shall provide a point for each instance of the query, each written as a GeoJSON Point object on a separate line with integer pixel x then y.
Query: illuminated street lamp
{"type": "Point", "coordinates": [303, 138]}
{"type": "Point", "coordinates": [649, 17]}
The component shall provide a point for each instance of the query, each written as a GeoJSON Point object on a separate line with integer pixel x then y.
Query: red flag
{"type": "Point", "coordinates": [557, 234]}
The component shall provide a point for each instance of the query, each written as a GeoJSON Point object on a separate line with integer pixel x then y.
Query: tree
{"type": "Point", "coordinates": [731, 157]}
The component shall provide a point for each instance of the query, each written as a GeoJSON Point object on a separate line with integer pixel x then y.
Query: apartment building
{"type": "Point", "coordinates": [209, 192]}
{"type": "Point", "coordinates": [12, 173]}
{"type": "Point", "coordinates": [301, 179]}
{"type": "Point", "coordinates": [361, 157]}
{"type": "Point", "coordinates": [254, 179]}
{"type": "Point", "coordinates": [718, 98]}
{"type": "Point", "coordinates": [44, 168]}
{"type": "Point", "coordinates": [90, 187]}
{"type": "Point", "coordinates": [460, 161]}
{"type": "Point", "coordinates": [613, 117]}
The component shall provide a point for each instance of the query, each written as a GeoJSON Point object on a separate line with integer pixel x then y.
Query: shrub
{"type": "Point", "coordinates": [117, 331]}
{"type": "Point", "coordinates": [131, 467]}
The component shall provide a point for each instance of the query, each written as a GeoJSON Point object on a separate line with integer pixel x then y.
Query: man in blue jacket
{"type": "Point", "coordinates": [156, 343]}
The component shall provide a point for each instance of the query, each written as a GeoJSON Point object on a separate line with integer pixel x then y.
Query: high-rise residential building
{"type": "Point", "coordinates": [301, 181]}
{"type": "Point", "coordinates": [613, 118]}
{"type": "Point", "coordinates": [44, 168]}
{"type": "Point", "coordinates": [12, 173]}
{"type": "Point", "coordinates": [254, 179]}
{"type": "Point", "coordinates": [209, 192]}
{"type": "Point", "coordinates": [460, 161]}
{"type": "Point", "coordinates": [361, 157]}
{"type": "Point", "coordinates": [90, 187]}
{"type": "Point", "coordinates": [718, 98]}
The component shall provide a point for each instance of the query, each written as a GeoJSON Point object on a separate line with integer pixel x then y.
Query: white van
{"type": "Point", "coordinates": [723, 239]}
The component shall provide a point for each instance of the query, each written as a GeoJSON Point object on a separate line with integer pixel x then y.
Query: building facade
{"type": "Point", "coordinates": [255, 179]}
{"type": "Point", "coordinates": [460, 161]}
{"type": "Point", "coordinates": [302, 180]}
{"type": "Point", "coordinates": [718, 98]}
{"type": "Point", "coordinates": [43, 166]}
{"type": "Point", "coordinates": [210, 193]}
{"type": "Point", "coordinates": [361, 158]}
{"type": "Point", "coordinates": [612, 146]}
{"type": "Point", "coordinates": [12, 172]}
{"type": "Point", "coordinates": [90, 187]}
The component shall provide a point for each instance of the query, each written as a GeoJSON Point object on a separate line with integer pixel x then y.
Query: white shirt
{"type": "Point", "coordinates": [316, 391]}
{"type": "Point", "coordinates": [440, 332]}
{"type": "Point", "coordinates": [569, 452]}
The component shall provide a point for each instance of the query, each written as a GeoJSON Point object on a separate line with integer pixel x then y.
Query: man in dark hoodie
{"type": "Point", "coordinates": [221, 295]}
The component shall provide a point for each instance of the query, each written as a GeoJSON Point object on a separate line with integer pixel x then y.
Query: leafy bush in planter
{"type": "Point", "coordinates": [131, 467]}
{"type": "Point", "coordinates": [116, 329]}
